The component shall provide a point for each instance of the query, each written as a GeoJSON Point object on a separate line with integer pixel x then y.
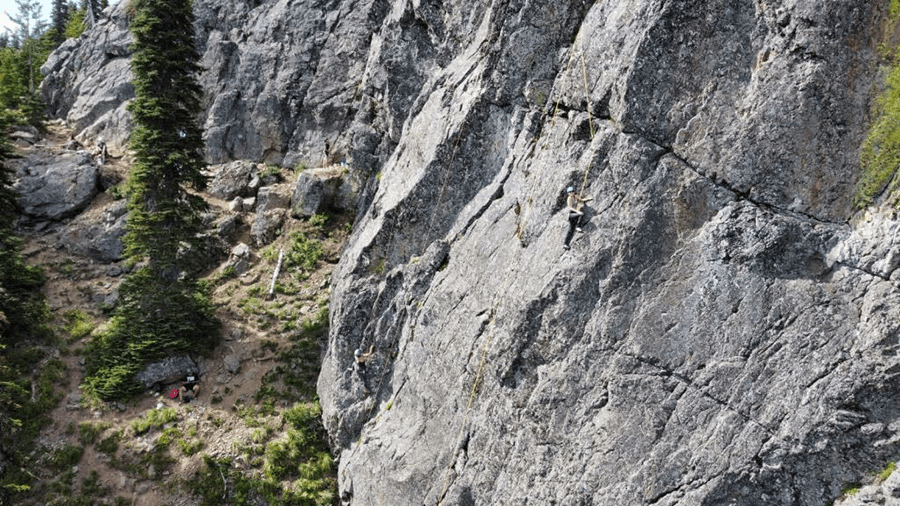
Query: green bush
{"type": "Point", "coordinates": [302, 252]}
{"type": "Point", "coordinates": [90, 433]}
{"type": "Point", "coordinates": [110, 445]}
{"type": "Point", "coordinates": [155, 418]}
{"type": "Point", "coordinates": [66, 457]}
{"type": "Point", "coordinates": [78, 324]}
{"type": "Point", "coordinates": [880, 153]}
{"type": "Point", "coordinates": [888, 469]}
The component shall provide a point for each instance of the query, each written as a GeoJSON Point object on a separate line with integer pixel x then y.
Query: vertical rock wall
{"type": "Point", "coordinates": [719, 332]}
{"type": "Point", "coordinates": [716, 335]}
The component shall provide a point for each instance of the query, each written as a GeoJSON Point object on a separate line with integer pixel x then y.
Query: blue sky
{"type": "Point", "coordinates": [11, 7]}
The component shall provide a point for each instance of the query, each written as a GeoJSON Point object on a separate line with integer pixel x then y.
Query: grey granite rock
{"type": "Point", "coordinates": [721, 332]}
{"type": "Point", "coordinates": [316, 190]}
{"type": "Point", "coordinates": [100, 240]}
{"type": "Point", "coordinates": [55, 186]}
{"type": "Point", "coordinates": [167, 371]}
{"type": "Point", "coordinates": [232, 180]}
{"type": "Point", "coordinates": [718, 333]}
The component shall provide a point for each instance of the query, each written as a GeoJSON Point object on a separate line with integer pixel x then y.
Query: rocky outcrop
{"type": "Point", "coordinates": [282, 80]}
{"type": "Point", "coordinates": [718, 334]}
{"type": "Point", "coordinates": [87, 81]}
{"type": "Point", "coordinates": [721, 332]}
{"type": "Point", "coordinates": [97, 239]}
{"type": "Point", "coordinates": [53, 187]}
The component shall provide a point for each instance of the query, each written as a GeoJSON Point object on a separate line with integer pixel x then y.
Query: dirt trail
{"type": "Point", "coordinates": [255, 332]}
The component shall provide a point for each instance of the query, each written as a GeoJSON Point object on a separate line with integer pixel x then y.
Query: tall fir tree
{"type": "Point", "coordinates": [60, 19]}
{"type": "Point", "coordinates": [162, 310]}
{"type": "Point", "coordinates": [29, 29]}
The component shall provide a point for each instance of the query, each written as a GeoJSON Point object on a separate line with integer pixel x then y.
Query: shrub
{"type": "Point", "coordinates": [155, 418]}
{"type": "Point", "coordinates": [302, 252]}
{"type": "Point", "coordinates": [90, 432]}
{"type": "Point", "coordinates": [78, 324]}
{"type": "Point", "coordinates": [880, 153]}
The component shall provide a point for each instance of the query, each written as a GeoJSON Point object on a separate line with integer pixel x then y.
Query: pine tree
{"type": "Point", "coordinates": [162, 310]}
{"type": "Point", "coordinates": [60, 19]}
{"type": "Point", "coordinates": [30, 28]}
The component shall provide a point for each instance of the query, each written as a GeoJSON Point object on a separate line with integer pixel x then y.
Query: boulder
{"type": "Point", "coordinates": [271, 209]}
{"type": "Point", "coordinates": [99, 240]}
{"type": "Point", "coordinates": [167, 371]}
{"type": "Point", "coordinates": [232, 179]}
{"type": "Point", "coordinates": [28, 138]}
{"type": "Point", "coordinates": [272, 197]}
{"type": "Point", "coordinates": [267, 225]}
{"type": "Point", "coordinates": [227, 225]}
{"type": "Point", "coordinates": [55, 186]}
{"type": "Point", "coordinates": [241, 258]}
{"type": "Point", "coordinates": [318, 189]}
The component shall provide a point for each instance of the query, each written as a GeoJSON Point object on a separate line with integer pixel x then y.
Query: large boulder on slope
{"type": "Point", "coordinates": [53, 187]}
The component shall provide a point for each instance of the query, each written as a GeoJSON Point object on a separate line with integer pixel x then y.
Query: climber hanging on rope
{"type": "Point", "coordinates": [362, 357]}
{"type": "Point", "coordinates": [574, 203]}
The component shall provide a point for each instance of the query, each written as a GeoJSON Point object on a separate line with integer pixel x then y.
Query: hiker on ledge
{"type": "Point", "coordinates": [574, 203]}
{"type": "Point", "coordinates": [189, 389]}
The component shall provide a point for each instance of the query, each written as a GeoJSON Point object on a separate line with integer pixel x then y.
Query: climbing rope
{"type": "Point", "coordinates": [587, 99]}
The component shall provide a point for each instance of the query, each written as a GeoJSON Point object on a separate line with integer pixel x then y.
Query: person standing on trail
{"type": "Point", "coordinates": [574, 203]}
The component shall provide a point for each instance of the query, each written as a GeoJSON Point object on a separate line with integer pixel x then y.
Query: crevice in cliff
{"type": "Point", "coordinates": [496, 195]}
{"type": "Point", "coordinates": [883, 277]}
{"type": "Point", "coordinates": [680, 488]}
{"type": "Point", "coordinates": [742, 195]}
{"type": "Point", "coordinates": [690, 384]}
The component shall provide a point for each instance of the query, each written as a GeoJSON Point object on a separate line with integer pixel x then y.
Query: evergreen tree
{"type": "Point", "coordinates": [75, 23]}
{"type": "Point", "coordinates": [21, 305]}
{"type": "Point", "coordinates": [60, 19]}
{"type": "Point", "coordinates": [23, 330]}
{"type": "Point", "coordinates": [30, 29]}
{"type": "Point", "coordinates": [162, 310]}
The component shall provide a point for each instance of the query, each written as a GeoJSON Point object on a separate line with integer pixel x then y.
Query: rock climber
{"type": "Point", "coordinates": [574, 203]}
{"type": "Point", "coordinates": [189, 389]}
{"type": "Point", "coordinates": [361, 358]}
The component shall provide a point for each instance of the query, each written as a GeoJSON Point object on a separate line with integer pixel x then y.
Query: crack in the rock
{"type": "Point", "coordinates": [690, 384]}
{"type": "Point", "coordinates": [498, 194]}
{"type": "Point", "coordinates": [882, 277]}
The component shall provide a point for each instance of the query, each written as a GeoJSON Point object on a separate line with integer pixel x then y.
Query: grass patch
{"type": "Point", "coordinates": [78, 324]}
{"type": "Point", "coordinates": [297, 469]}
{"type": "Point", "coordinates": [155, 418]}
{"type": "Point", "coordinates": [880, 153]}
{"type": "Point", "coordinates": [890, 467]}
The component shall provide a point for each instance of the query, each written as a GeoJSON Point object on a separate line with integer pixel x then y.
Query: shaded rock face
{"type": "Point", "coordinates": [167, 371]}
{"type": "Point", "coordinates": [99, 240]}
{"type": "Point", "coordinates": [317, 190]}
{"type": "Point", "coordinates": [719, 332]}
{"type": "Point", "coordinates": [53, 187]}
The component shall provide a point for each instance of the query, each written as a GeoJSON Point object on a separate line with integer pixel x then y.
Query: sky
{"type": "Point", "coordinates": [11, 7]}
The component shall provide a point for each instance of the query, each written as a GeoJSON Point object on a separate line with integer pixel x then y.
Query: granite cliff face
{"type": "Point", "coordinates": [721, 332]}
